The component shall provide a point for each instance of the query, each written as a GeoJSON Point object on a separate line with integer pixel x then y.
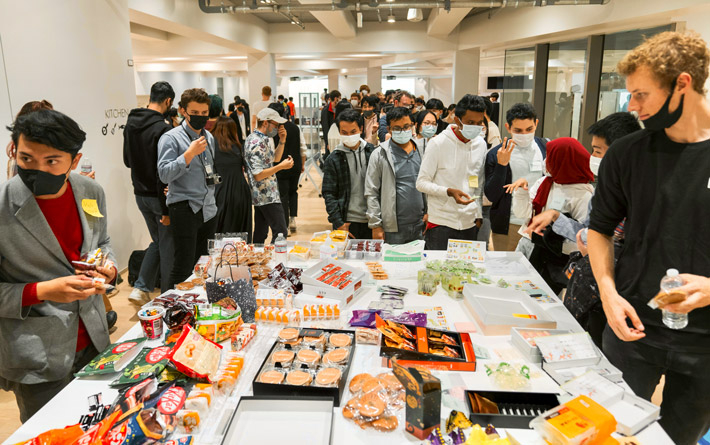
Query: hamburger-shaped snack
{"type": "Point", "coordinates": [283, 357]}
{"type": "Point", "coordinates": [318, 341]}
{"type": "Point", "coordinates": [340, 340]}
{"type": "Point", "coordinates": [357, 381]}
{"type": "Point", "coordinates": [273, 377]}
{"type": "Point", "coordinates": [185, 286]}
{"type": "Point", "coordinates": [299, 378]}
{"type": "Point", "coordinates": [308, 357]}
{"type": "Point", "coordinates": [336, 356]}
{"type": "Point", "coordinates": [328, 377]}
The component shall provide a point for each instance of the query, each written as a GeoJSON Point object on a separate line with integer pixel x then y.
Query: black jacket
{"type": "Point", "coordinates": [497, 176]}
{"type": "Point", "coordinates": [140, 152]}
{"type": "Point", "coordinates": [326, 120]}
{"type": "Point", "coordinates": [293, 149]}
{"type": "Point", "coordinates": [235, 117]}
{"type": "Point", "coordinates": [336, 184]}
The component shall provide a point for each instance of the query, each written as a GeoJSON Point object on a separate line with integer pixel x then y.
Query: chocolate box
{"type": "Point", "coordinates": [422, 357]}
{"type": "Point", "coordinates": [516, 409]}
{"type": "Point", "coordinates": [423, 410]}
{"type": "Point", "coordinates": [286, 390]}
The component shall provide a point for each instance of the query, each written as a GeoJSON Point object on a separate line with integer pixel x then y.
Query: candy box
{"type": "Point", "coordinates": [425, 347]}
{"type": "Point", "coordinates": [423, 413]}
{"type": "Point", "coordinates": [287, 356]}
{"type": "Point", "coordinates": [333, 279]}
{"type": "Point", "coordinates": [508, 409]}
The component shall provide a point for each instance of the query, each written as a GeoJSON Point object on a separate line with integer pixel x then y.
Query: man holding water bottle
{"type": "Point", "coordinates": [659, 180]}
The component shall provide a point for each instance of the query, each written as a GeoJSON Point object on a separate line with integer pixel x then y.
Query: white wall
{"type": "Point", "coordinates": [180, 81]}
{"type": "Point", "coordinates": [78, 62]}
{"type": "Point", "coordinates": [349, 85]}
{"type": "Point", "coordinates": [231, 89]}
{"type": "Point", "coordinates": [440, 88]}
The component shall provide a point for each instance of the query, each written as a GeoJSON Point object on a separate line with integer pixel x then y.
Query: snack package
{"type": "Point", "coordinates": [508, 376]}
{"type": "Point", "coordinates": [167, 402]}
{"type": "Point", "coordinates": [98, 433]}
{"type": "Point", "coordinates": [112, 359]}
{"type": "Point", "coordinates": [242, 336]}
{"type": "Point", "coordinates": [195, 356]}
{"type": "Point", "coordinates": [186, 440]}
{"type": "Point", "coordinates": [90, 261]}
{"type": "Point", "coordinates": [58, 436]}
{"type": "Point", "coordinates": [130, 397]}
{"type": "Point", "coordinates": [664, 298]}
{"type": "Point", "coordinates": [148, 363]}
{"type": "Point", "coordinates": [137, 428]}
{"type": "Point", "coordinates": [375, 401]}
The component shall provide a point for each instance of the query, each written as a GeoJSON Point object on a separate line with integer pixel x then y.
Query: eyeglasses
{"type": "Point", "coordinates": [405, 128]}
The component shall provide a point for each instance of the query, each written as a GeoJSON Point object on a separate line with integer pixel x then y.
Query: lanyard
{"type": "Point", "coordinates": [202, 160]}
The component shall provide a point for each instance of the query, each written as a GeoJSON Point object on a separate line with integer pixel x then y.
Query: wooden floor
{"type": "Point", "coordinates": [311, 218]}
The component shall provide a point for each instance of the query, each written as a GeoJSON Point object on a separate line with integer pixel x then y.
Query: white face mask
{"type": "Point", "coordinates": [524, 140]}
{"type": "Point", "coordinates": [350, 141]}
{"type": "Point", "coordinates": [594, 163]}
{"type": "Point", "coordinates": [354, 102]}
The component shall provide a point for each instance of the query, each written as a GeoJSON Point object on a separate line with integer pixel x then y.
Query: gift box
{"type": "Point", "coordinates": [524, 340]}
{"type": "Point", "coordinates": [317, 387]}
{"type": "Point", "coordinates": [507, 409]}
{"type": "Point", "coordinates": [360, 249]}
{"type": "Point", "coordinates": [333, 279]}
{"type": "Point", "coordinates": [422, 341]}
{"type": "Point", "coordinates": [497, 310]}
{"type": "Point", "coordinates": [423, 412]}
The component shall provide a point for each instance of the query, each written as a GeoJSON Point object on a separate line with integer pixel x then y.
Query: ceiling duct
{"type": "Point", "coordinates": [206, 5]}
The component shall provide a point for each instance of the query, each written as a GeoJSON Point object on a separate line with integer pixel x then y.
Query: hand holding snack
{"type": "Point", "coordinates": [66, 289]}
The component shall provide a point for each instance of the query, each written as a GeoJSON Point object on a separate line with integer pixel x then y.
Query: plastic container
{"type": "Point", "coordinates": [280, 249]}
{"type": "Point", "coordinates": [151, 319]}
{"type": "Point", "coordinates": [671, 281]}
{"type": "Point", "coordinates": [86, 166]}
{"type": "Point", "coordinates": [328, 251]}
{"type": "Point", "coordinates": [579, 421]}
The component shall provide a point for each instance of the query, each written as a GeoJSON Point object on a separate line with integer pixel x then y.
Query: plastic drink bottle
{"type": "Point", "coordinates": [673, 320]}
{"type": "Point", "coordinates": [280, 249]}
{"type": "Point", "coordinates": [86, 166]}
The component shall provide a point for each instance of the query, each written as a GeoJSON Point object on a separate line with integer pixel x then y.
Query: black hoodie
{"type": "Point", "coordinates": [140, 152]}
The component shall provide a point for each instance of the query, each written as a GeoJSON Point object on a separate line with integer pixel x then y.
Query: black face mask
{"type": "Point", "coordinates": [40, 182]}
{"type": "Point", "coordinates": [198, 122]}
{"type": "Point", "coordinates": [665, 119]}
{"type": "Point", "coordinates": [240, 109]}
{"type": "Point", "coordinates": [368, 113]}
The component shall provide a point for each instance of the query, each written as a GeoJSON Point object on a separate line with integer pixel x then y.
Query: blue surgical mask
{"type": "Point", "coordinates": [471, 131]}
{"type": "Point", "coordinates": [428, 131]}
{"type": "Point", "coordinates": [402, 137]}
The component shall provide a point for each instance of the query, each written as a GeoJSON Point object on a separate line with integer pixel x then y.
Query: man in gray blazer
{"type": "Point", "coordinates": [52, 319]}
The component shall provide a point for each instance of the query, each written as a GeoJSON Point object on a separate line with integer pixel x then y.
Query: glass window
{"type": "Point", "coordinates": [517, 81]}
{"type": "Point", "coordinates": [565, 84]}
{"type": "Point", "coordinates": [613, 95]}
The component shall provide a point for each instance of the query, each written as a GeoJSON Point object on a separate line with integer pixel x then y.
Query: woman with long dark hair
{"type": "Point", "coordinates": [233, 195]}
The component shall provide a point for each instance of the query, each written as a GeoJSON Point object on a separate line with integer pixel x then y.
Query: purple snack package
{"type": "Point", "coordinates": [457, 436]}
{"type": "Point", "coordinates": [411, 318]}
{"type": "Point", "coordinates": [364, 318]}
{"type": "Point", "coordinates": [436, 437]}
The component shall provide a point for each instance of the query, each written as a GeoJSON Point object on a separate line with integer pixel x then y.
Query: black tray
{"type": "Point", "coordinates": [540, 401]}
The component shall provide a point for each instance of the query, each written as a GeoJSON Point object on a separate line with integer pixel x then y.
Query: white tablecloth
{"type": "Point", "coordinates": [67, 407]}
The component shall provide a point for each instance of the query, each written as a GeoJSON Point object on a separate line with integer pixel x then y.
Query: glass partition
{"type": "Point", "coordinates": [566, 67]}
{"type": "Point", "coordinates": [519, 70]}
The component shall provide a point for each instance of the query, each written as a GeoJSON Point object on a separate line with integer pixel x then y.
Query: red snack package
{"type": "Point", "coordinates": [194, 355]}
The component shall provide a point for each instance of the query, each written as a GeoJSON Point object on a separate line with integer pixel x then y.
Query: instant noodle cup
{"type": "Point", "coordinates": [151, 318]}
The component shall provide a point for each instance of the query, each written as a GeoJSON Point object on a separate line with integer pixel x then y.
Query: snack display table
{"type": "Point", "coordinates": [67, 407]}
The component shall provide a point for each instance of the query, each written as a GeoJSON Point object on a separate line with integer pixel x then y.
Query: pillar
{"type": "Point", "coordinates": [374, 78]}
{"type": "Point", "coordinates": [261, 71]}
{"type": "Point", "coordinates": [465, 73]}
{"type": "Point", "coordinates": [333, 76]}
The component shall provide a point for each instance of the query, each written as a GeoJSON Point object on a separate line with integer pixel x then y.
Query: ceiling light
{"type": "Point", "coordinates": [172, 59]}
{"type": "Point", "coordinates": [391, 19]}
{"type": "Point", "coordinates": [235, 57]}
{"type": "Point", "coordinates": [390, 1]}
{"type": "Point", "coordinates": [359, 19]}
{"type": "Point", "coordinates": [414, 15]}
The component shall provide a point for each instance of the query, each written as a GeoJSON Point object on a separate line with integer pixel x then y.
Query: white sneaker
{"type": "Point", "coordinates": [292, 224]}
{"type": "Point", "coordinates": [139, 297]}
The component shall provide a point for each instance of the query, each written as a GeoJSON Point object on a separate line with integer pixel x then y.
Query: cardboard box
{"type": "Point", "coordinates": [498, 310]}
{"type": "Point", "coordinates": [311, 285]}
{"type": "Point", "coordinates": [285, 390]}
{"type": "Point", "coordinates": [524, 340]}
{"type": "Point", "coordinates": [423, 411]}
{"type": "Point", "coordinates": [421, 356]}
{"type": "Point", "coordinates": [281, 420]}
{"type": "Point", "coordinates": [516, 409]}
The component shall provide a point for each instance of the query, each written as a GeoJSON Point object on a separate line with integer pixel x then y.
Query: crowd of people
{"type": "Point", "coordinates": [603, 225]}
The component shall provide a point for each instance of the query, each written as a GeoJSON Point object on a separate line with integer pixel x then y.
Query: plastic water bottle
{"type": "Point", "coordinates": [673, 320]}
{"type": "Point", "coordinates": [86, 166]}
{"type": "Point", "coordinates": [280, 249]}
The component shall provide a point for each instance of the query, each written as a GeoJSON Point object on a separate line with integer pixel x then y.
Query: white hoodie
{"type": "Point", "coordinates": [451, 163]}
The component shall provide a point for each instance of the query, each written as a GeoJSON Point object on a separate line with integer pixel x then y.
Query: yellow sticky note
{"type": "Point", "coordinates": [473, 181]}
{"type": "Point", "coordinates": [91, 207]}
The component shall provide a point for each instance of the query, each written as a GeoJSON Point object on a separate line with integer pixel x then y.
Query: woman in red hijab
{"type": "Point", "coordinates": [565, 187]}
